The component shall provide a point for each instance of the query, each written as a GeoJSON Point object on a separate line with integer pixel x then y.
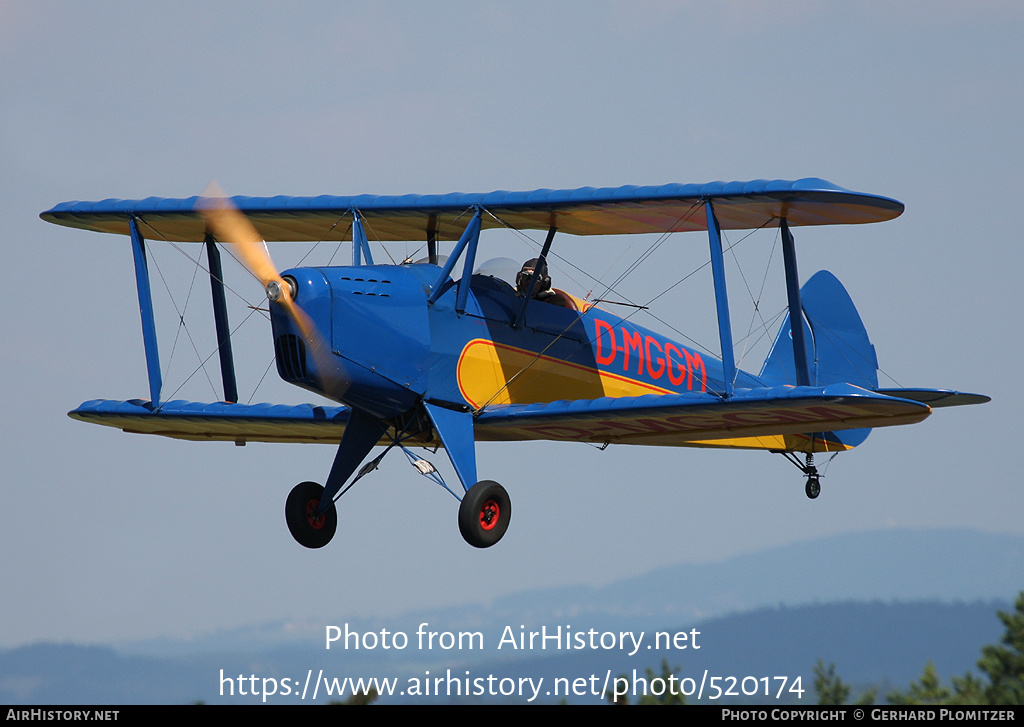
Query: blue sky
{"type": "Point", "coordinates": [108, 536]}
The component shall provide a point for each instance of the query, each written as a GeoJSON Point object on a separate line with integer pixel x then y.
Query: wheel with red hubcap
{"type": "Point", "coordinates": [309, 527]}
{"type": "Point", "coordinates": [484, 514]}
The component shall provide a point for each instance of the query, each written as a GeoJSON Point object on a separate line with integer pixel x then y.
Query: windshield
{"type": "Point", "coordinates": [502, 268]}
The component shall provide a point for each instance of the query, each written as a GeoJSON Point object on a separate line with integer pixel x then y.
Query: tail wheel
{"type": "Point", "coordinates": [484, 514]}
{"type": "Point", "coordinates": [309, 527]}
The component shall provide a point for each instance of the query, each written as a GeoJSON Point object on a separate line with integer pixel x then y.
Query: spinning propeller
{"type": "Point", "coordinates": [233, 228]}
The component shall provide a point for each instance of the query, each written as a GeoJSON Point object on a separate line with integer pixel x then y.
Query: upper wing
{"type": "Point", "coordinates": [796, 418]}
{"type": "Point", "coordinates": [585, 211]}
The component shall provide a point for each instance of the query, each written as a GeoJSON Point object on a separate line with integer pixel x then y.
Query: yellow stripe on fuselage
{"type": "Point", "coordinates": [493, 373]}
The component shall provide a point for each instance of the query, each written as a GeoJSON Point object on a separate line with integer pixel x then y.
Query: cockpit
{"type": "Point", "coordinates": [516, 278]}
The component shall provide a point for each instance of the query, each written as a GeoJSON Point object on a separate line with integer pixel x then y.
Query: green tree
{"type": "Point", "coordinates": [368, 697]}
{"type": "Point", "coordinates": [1003, 663]}
{"type": "Point", "coordinates": [927, 690]}
{"type": "Point", "coordinates": [968, 689]}
{"type": "Point", "coordinates": [671, 691]}
{"type": "Point", "coordinates": [833, 690]}
{"type": "Point", "coordinates": [830, 688]}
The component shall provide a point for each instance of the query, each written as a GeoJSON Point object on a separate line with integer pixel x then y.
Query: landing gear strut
{"type": "Point", "coordinates": [813, 487]}
{"type": "Point", "coordinates": [484, 513]}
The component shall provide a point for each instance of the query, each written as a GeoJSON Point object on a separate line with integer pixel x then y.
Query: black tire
{"type": "Point", "coordinates": [813, 487]}
{"type": "Point", "coordinates": [299, 512]}
{"type": "Point", "coordinates": [484, 514]}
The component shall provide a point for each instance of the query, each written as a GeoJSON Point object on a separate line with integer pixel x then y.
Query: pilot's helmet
{"type": "Point", "coordinates": [523, 277]}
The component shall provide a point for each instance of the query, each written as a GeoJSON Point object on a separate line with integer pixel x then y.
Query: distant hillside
{"type": "Point", "coordinates": [900, 599]}
{"type": "Point", "coordinates": [886, 565]}
{"type": "Point", "coordinates": [870, 643]}
{"type": "Point", "coordinates": [882, 644]}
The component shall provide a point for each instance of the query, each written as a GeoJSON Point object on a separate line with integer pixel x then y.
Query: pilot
{"type": "Point", "coordinates": [542, 290]}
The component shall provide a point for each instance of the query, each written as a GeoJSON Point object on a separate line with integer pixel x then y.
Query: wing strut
{"type": "Point", "coordinates": [220, 319]}
{"type": "Point", "coordinates": [359, 241]}
{"type": "Point", "coordinates": [796, 311]}
{"type": "Point", "coordinates": [721, 298]}
{"type": "Point", "coordinates": [146, 309]}
{"type": "Point", "coordinates": [432, 239]}
{"type": "Point", "coordinates": [470, 237]}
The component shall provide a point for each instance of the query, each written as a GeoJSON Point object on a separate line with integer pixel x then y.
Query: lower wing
{"type": "Point", "coordinates": [219, 421]}
{"type": "Point", "coordinates": [794, 418]}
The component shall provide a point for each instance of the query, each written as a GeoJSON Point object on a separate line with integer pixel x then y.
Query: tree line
{"type": "Point", "coordinates": [1001, 679]}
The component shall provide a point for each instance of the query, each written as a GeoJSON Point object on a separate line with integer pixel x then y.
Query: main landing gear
{"type": "Point", "coordinates": [484, 514]}
{"type": "Point", "coordinates": [309, 525]}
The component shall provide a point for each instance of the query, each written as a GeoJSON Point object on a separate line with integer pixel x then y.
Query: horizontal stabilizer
{"type": "Point", "coordinates": [937, 398]}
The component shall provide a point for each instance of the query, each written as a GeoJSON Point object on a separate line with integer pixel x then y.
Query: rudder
{"type": "Point", "coordinates": [838, 347]}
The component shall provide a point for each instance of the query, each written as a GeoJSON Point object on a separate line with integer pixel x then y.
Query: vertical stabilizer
{"type": "Point", "coordinates": [838, 351]}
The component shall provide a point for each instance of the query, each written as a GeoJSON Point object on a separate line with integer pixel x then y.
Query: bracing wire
{"type": "Point", "coordinates": [181, 322]}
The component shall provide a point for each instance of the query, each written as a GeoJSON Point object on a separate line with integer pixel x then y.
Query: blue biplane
{"type": "Point", "coordinates": [419, 354]}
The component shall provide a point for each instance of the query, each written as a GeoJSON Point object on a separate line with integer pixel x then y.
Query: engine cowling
{"type": "Point", "coordinates": [372, 341]}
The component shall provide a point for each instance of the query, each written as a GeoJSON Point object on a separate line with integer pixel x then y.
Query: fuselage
{"type": "Point", "coordinates": [389, 349]}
